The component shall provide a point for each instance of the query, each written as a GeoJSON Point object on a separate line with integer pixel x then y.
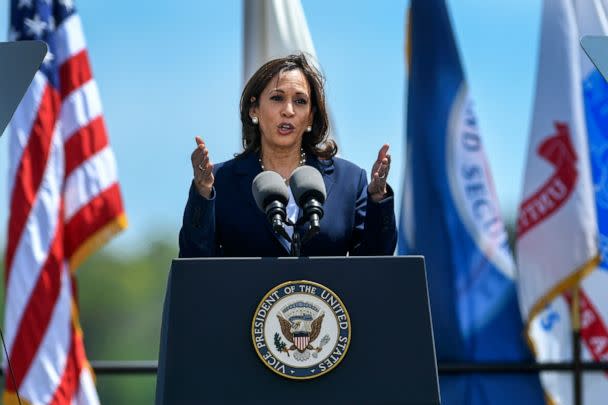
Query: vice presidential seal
{"type": "Point", "coordinates": [301, 330]}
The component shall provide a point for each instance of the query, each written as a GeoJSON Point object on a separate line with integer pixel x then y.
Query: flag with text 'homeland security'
{"type": "Point", "coordinates": [561, 213]}
{"type": "Point", "coordinates": [65, 202]}
{"type": "Point", "coordinates": [450, 215]}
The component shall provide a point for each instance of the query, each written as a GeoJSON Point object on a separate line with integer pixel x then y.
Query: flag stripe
{"type": "Point", "coordinates": [45, 371]}
{"type": "Point", "coordinates": [75, 72]}
{"type": "Point", "coordinates": [30, 172]}
{"type": "Point", "coordinates": [76, 195]}
{"type": "Point", "coordinates": [91, 218]}
{"type": "Point", "coordinates": [69, 381]}
{"type": "Point", "coordinates": [86, 142]}
{"type": "Point", "coordinates": [80, 108]}
{"type": "Point", "coordinates": [86, 389]}
{"type": "Point", "coordinates": [26, 114]}
{"type": "Point", "coordinates": [69, 39]}
{"type": "Point", "coordinates": [37, 314]}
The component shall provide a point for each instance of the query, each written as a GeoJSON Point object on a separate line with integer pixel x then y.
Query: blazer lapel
{"type": "Point", "coordinates": [246, 168]}
{"type": "Point", "coordinates": [326, 168]}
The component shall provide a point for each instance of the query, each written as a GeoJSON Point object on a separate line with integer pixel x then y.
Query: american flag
{"type": "Point", "coordinates": [65, 202]}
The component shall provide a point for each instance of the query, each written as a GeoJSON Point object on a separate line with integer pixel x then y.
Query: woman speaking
{"type": "Point", "coordinates": [285, 125]}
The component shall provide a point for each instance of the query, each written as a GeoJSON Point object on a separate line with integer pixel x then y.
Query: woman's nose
{"type": "Point", "coordinates": [288, 109]}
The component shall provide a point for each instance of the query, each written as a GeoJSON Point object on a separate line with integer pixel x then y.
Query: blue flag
{"type": "Point", "coordinates": [450, 214]}
{"type": "Point", "coordinates": [595, 96]}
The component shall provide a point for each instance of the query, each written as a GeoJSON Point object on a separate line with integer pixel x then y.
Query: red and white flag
{"type": "Point", "coordinates": [65, 202]}
{"type": "Point", "coordinates": [557, 242]}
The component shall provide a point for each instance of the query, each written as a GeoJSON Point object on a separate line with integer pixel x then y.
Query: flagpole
{"type": "Point", "coordinates": [576, 333]}
{"type": "Point", "coordinates": [576, 346]}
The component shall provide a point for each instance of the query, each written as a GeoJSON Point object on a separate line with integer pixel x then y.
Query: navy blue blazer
{"type": "Point", "coordinates": [231, 225]}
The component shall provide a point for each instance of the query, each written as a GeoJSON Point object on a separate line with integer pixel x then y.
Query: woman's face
{"type": "Point", "coordinates": [284, 110]}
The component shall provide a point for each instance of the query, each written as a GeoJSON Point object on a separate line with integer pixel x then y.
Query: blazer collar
{"type": "Point", "coordinates": [248, 167]}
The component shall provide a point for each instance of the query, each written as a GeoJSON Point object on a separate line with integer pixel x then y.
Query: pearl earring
{"type": "Point", "coordinates": [309, 129]}
{"type": "Point", "coordinates": [254, 120]}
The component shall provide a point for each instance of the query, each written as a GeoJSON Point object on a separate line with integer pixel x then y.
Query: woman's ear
{"type": "Point", "coordinates": [311, 116]}
{"type": "Point", "coordinates": [253, 109]}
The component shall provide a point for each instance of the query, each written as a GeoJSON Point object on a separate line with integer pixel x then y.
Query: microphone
{"type": "Point", "coordinates": [308, 189]}
{"type": "Point", "coordinates": [271, 196]}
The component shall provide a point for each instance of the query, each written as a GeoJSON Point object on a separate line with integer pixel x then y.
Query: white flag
{"type": "Point", "coordinates": [557, 244]}
{"type": "Point", "coordinates": [274, 29]}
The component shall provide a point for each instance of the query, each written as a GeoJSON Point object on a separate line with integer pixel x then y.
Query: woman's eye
{"type": "Point", "coordinates": [302, 101]}
{"type": "Point", "coordinates": [276, 98]}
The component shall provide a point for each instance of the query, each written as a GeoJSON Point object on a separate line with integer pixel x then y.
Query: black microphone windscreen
{"type": "Point", "coordinates": [306, 181]}
{"type": "Point", "coordinates": [267, 186]}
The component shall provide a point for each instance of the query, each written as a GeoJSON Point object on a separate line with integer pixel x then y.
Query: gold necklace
{"type": "Point", "coordinates": [301, 163]}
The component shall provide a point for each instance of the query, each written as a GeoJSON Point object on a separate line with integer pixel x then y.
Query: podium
{"type": "Point", "coordinates": [19, 62]}
{"type": "Point", "coordinates": [596, 48]}
{"type": "Point", "coordinates": [207, 352]}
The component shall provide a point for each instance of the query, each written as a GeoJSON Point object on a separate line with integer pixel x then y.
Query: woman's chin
{"type": "Point", "coordinates": [284, 141]}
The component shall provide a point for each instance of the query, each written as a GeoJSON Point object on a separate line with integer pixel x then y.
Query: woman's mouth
{"type": "Point", "coordinates": [286, 128]}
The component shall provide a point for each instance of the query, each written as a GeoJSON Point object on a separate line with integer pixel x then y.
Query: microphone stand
{"type": "Point", "coordinates": [275, 213]}
{"type": "Point", "coordinates": [296, 240]}
{"type": "Point", "coordinates": [296, 244]}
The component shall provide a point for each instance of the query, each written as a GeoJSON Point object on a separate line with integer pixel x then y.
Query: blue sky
{"type": "Point", "coordinates": [168, 71]}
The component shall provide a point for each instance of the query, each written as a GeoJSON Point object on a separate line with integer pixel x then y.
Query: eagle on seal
{"type": "Point", "coordinates": [301, 333]}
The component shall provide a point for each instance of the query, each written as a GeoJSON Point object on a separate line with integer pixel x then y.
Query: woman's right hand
{"type": "Point", "coordinates": [202, 169]}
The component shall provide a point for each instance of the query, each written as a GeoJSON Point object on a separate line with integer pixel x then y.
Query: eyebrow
{"type": "Point", "coordinates": [298, 92]}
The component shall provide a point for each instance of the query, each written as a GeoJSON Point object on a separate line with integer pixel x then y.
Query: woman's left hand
{"type": "Point", "coordinates": [377, 186]}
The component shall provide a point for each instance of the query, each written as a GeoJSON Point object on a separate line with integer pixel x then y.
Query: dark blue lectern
{"type": "Point", "coordinates": [207, 353]}
{"type": "Point", "coordinates": [19, 62]}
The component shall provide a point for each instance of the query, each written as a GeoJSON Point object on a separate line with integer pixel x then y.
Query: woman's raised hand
{"type": "Point", "coordinates": [382, 165]}
{"type": "Point", "coordinates": [202, 168]}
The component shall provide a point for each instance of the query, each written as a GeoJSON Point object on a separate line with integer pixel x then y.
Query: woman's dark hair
{"type": "Point", "coordinates": [316, 141]}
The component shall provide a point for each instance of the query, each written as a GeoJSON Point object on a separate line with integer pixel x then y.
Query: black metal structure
{"type": "Point", "coordinates": [104, 367]}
